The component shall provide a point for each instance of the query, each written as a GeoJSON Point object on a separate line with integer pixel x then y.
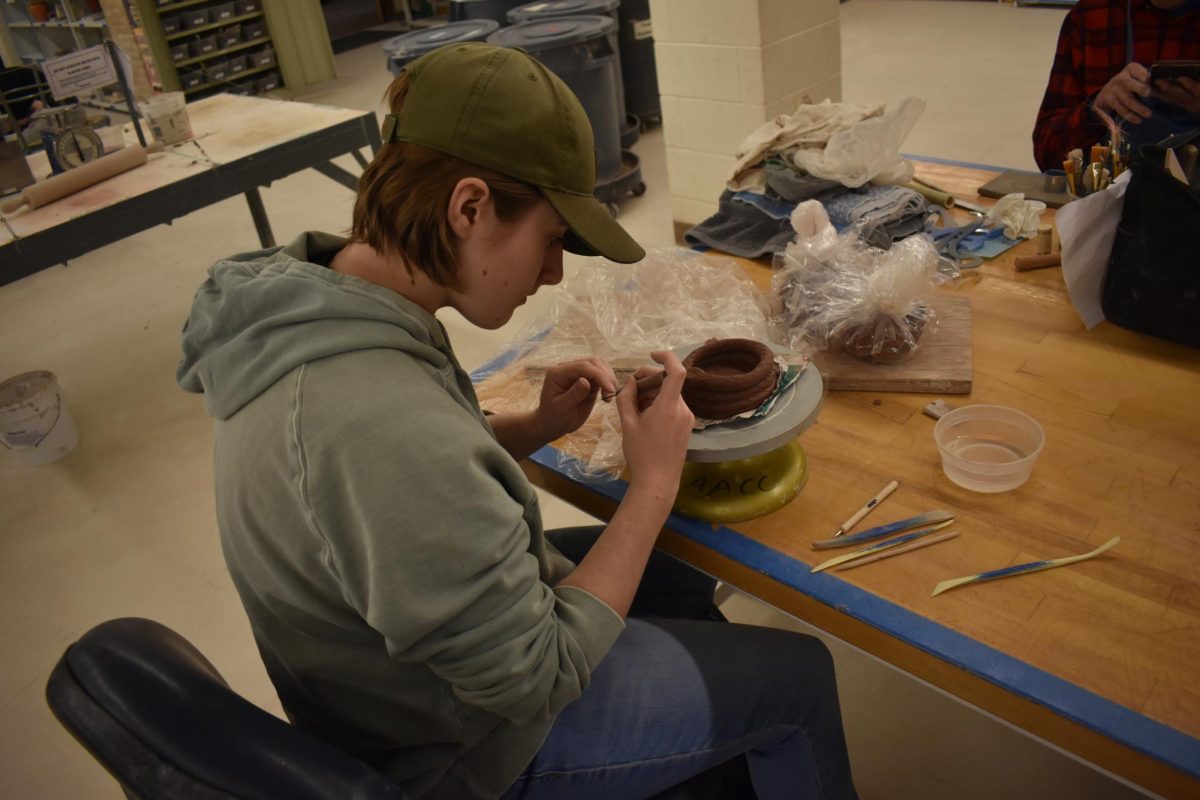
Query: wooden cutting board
{"type": "Point", "coordinates": [1030, 184]}
{"type": "Point", "coordinates": [941, 365]}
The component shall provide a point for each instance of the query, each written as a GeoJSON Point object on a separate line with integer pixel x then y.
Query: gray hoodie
{"type": "Point", "coordinates": [388, 551]}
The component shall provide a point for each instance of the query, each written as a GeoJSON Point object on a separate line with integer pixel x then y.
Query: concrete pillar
{"type": "Point", "coordinates": [724, 68]}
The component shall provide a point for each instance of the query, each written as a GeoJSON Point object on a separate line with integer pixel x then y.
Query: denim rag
{"type": "Point", "coordinates": [742, 229]}
{"type": "Point", "coordinates": [885, 213]}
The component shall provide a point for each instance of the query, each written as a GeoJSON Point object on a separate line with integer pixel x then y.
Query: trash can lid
{"type": "Point", "coordinates": [537, 35]}
{"type": "Point", "coordinates": [408, 46]}
{"type": "Point", "coordinates": [561, 8]}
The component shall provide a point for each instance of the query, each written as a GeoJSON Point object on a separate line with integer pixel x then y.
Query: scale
{"type": "Point", "coordinates": [745, 469]}
{"type": "Point", "coordinates": [68, 139]}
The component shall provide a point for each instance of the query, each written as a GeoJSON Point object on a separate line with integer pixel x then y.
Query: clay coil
{"type": "Point", "coordinates": [727, 377]}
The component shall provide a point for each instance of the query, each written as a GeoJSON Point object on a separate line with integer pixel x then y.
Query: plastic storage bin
{"type": "Point", "coordinates": [191, 78]}
{"type": "Point", "coordinates": [193, 18]}
{"type": "Point", "coordinates": [229, 37]}
{"type": "Point", "coordinates": [267, 83]}
{"type": "Point", "coordinates": [263, 58]}
{"type": "Point", "coordinates": [236, 64]}
{"type": "Point", "coordinates": [253, 29]}
{"type": "Point", "coordinates": [247, 6]}
{"type": "Point", "coordinates": [179, 52]}
{"type": "Point", "coordinates": [223, 11]}
{"type": "Point", "coordinates": [171, 24]}
{"type": "Point", "coordinates": [203, 45]}
{"type": "Point", "coordinates": [406, 47]}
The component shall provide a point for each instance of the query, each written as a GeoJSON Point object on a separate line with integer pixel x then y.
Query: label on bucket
{"type": "Point", "coordinates": [642, 29]}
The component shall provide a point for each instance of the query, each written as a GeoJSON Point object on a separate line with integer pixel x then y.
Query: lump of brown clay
{"type": "Point", "coordinates": [885, 339]}
{"type": "Point", "coordinates": [727, 377]}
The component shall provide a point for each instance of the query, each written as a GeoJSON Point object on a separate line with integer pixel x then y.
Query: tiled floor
{"type": "Point", "coordinates": [124, 526]}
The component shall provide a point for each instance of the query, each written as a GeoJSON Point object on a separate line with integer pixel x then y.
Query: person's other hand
{"type": "Point", "coordinates": [654, 438]}
{"type": "Point", "coordinates": [568, 393]}
{"type": "Point", "coordinates": [1122, 95]}
{"type": "Point", "coordinates": [1182, 91]}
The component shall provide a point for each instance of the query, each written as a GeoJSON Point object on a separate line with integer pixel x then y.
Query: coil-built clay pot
{"type": "Point", "coordinates": [884, 339]}
{"type": "Point", "coordinates": [727, 377]}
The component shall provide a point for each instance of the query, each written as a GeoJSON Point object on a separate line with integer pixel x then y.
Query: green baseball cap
{"type": "Point", "coordinates": [500, 108]}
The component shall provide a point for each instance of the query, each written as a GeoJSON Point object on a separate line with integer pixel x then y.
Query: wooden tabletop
{"type": "Point", "coordinates": [226, 128]}
{"type": "Point", "coordinates": [1101, 658]}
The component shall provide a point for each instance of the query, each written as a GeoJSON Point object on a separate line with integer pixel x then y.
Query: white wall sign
{"type": "Point", "coordinates": [80, 71]}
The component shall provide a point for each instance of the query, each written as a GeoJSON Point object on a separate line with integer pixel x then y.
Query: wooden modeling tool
{"type": "Point", "coordinates": [895, 551]}
{"type": "Point", "coordinates": [1021, 569]}
{"type": "Point", "coordinates": [875, 548]}
{"type": "Point", "coordinates": [928, 518]}
{"type": "Point", "coordinates": [643, 384]}
{"type": "Point", "coordinates": [1026, 263]}
{"type": "Point", "coordinates": [862, 512]}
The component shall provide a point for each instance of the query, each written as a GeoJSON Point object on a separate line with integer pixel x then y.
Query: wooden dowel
{"type": "Point", "coordinates": [1025, 263]}
{"type": "Point", "coordinates": [918, 544]}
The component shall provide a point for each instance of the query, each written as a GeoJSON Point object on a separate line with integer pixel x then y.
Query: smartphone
{"type": "Point", "coordinates": [1170, 70]}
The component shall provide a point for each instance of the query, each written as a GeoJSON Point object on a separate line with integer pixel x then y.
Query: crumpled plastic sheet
{"type": "Point", "coordinates": [622, 312]}
{"type": "Point", "coordinates": [834, 292]}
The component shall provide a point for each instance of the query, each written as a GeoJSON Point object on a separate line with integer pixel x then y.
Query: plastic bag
{"type": "Point", "coordinates": [834, 292]}
{"type": "Point", "coordinates": [621, 313]}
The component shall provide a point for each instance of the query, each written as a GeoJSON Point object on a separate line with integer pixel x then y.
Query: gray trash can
{"type": "Point", "coordinates": [553, 9]}
{"type": "Point", "coordinates": [639, 72]}
{"type": "Point", "coordinates": [579, 51]}
{"type": "Point", "coordinates": [406, 47]}
{"type": "Point", "coordinates": [482, 9]}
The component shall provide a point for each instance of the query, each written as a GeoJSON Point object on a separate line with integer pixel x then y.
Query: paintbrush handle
{"type": "Point", "coordinates": [917, 545]}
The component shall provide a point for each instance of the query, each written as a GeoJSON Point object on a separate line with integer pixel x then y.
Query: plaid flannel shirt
{"type": "Point", "coordinates": [1091, 50]}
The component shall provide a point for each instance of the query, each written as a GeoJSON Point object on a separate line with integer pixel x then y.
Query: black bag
{"type": "Point", "coordinates": [1153, 279]}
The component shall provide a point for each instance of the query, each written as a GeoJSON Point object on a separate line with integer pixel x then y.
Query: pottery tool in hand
{"type": "Point", "coordinates": [928, 518]}
{"type": "Point", "coordinates": [895, 551]}
{"type": "Point", "coordinates": [866, 509]}
{"type": "Point", "coordinates": [1021, 569]}
{"type": "Point", "coordinates": [878, 546]}
{"type": "Point", "coordinates": [643, 384]}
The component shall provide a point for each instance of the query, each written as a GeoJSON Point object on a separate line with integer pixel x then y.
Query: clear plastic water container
{"type": "Point", "coordinates": [988, 448]}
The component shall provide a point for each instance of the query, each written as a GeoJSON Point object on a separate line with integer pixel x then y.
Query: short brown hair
{"type": "Point", "coordinates": [403, 195]}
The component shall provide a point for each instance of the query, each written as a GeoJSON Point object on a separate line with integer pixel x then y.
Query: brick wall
{"type": "Point", "coordinates": [724, 68]}
{"type": "Point", "coordinates": [122, 34]}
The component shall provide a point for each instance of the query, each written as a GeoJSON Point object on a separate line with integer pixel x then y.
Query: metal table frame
{"type": "Point", "coordinates": [29, 254]}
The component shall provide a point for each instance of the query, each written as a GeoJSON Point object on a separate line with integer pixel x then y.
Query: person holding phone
{"type": "Point", "coordinates": [1102, 67]}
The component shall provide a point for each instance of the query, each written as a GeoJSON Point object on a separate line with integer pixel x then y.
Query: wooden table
{"type": "Point", "coordinates": [240, 144]}
{"type": "Point", "coordinates": [1100, 658]}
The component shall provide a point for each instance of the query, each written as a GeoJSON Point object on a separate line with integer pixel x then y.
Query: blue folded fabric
{"type": "Point", "coordinates": [742, 229]}
{"type": "Point", "coordinates": [795, 186]}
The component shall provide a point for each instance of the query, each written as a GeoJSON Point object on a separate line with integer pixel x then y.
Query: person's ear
{"type": "Point", "coordinates": [467, 203]}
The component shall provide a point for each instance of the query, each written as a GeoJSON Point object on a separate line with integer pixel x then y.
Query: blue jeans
{"type": "Point", "coordinates": [680, 694]}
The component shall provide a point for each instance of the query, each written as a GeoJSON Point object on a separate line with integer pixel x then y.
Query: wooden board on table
{"type": "Point", "coordinates": [1030, 184]}
{"type": "Point", "coordinates": [941, 364]}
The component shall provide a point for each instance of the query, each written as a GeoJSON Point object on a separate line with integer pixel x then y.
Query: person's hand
{"type": "Point", "coordinates": [568, 393]}
{"type": "Point", "coordinates": [654, 437]}
{"type": "Point", "coordinates": [1182, 91]}
{"type": "Point", "coordinates": [1122, 95]}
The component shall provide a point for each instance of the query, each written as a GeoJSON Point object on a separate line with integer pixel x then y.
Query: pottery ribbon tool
{"type": "Point", "coordinates": [1021, 569]}
{"type": "Point", "coordinates": [862, 512]}
{"type": "Point", "coordinates": [895, 551]}
{"type": "Point", "coordinates": [875, 548]}
{"type": "Point", "coordinates": [928, 518]}
{"type": "Point", "coordinates": [643, 384]}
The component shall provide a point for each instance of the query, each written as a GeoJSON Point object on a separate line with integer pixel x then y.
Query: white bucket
{"type": "Point", "coordinates": [168, 117]}
{"type": "Point", "coordinates": [34, 422]}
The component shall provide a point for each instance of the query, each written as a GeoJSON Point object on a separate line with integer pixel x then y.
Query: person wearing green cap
{"type": "Point", "coordinates": [389, 551]}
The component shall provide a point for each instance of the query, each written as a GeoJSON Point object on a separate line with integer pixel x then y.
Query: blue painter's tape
{"type": "Point", "coordinates": [1135, 731]}
{"type": "Point", "coordinates": [969, 164]}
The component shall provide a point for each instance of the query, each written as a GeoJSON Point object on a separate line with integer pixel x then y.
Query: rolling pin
{"type": "Point", "coordinates": [1026, 263]}
{"type": "Point", "coordinates": [71, 181]}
